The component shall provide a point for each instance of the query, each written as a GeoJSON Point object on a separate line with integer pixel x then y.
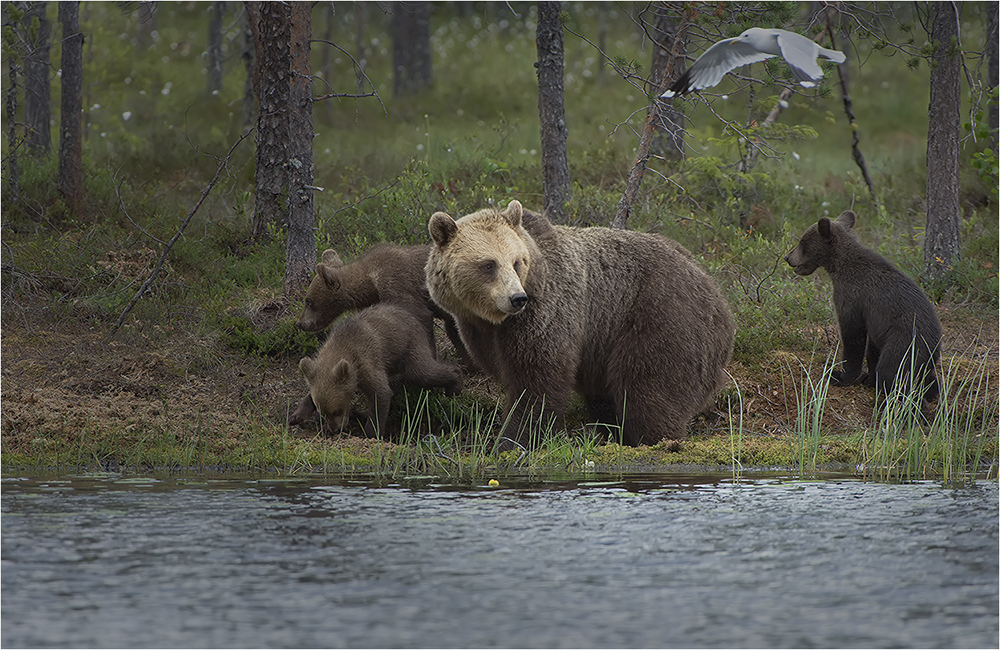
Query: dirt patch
{"type": "Point", "coordinates": [64, 380]}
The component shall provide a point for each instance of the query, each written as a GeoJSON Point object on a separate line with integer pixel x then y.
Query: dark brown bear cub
{"type": "Point", "coordinates": [371, 353]}
{"type": "Point", "coordinates": [878, 308]}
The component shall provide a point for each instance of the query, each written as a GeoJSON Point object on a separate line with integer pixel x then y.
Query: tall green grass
{"type": "Point", "coordinates": [811, 401]}
{"type": "Point", "coordinates": [905, 443]}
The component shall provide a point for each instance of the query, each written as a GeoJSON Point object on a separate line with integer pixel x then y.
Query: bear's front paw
{"type": "Point", "coordinates": [838, 378]}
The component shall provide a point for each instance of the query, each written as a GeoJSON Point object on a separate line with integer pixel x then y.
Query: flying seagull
{"type": "Point", "coordinates": [751, 46]}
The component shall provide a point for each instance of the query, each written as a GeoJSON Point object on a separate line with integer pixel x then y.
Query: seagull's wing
{"type": "Point", "coordinates": [800, 54]}
{"type": "Point", "coordinates": [713, 65]}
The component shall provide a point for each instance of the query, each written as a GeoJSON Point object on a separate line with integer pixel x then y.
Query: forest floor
{"type": "Point", "coordinates": [68, 389]}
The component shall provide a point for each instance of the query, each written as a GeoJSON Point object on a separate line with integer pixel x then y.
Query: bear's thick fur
{"type": "Point", "coordinates": [370, 353]}
{"type": "Point", "coordinates": [385, 273]}
{"type": "Point", "coordinates": [878, 307]}
{"type": "Point", "coordinates": [628, 319]}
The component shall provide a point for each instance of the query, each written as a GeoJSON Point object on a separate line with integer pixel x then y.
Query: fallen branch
{"type": "Point", "coordinates": [849, 110]}
{"type": "Point", "coordinates": [152, 276]}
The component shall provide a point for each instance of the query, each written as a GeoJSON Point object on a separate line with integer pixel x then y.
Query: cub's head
{"type": "Point", "coordinates": [332, 390]}
{"type": "Point", "coordinates": [325, 300]}
{"type": "Point", "coordinates": [817, 247]}
{"type": "Point", "coordinates": [484, 265]}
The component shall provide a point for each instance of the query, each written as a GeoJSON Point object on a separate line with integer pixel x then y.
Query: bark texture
{"type": "Point", "coordinates": [37, 89]}
{"type": "Point", "coordinates": [71, 110]}
{"type": "Point", "coordinates": [273, 69]}
{"type": "Point", "coordinates": [941, 241]}
{"type": "Point", "coordinates": [300, 251]}
{"type": "Point", "coordinates": [551, 111]}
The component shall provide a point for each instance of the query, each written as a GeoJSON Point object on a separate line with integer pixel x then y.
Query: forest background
{"type": "Point", "coordinates": [106, 366]}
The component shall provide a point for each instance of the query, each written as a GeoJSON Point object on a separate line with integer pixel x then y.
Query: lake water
{"type": "Point", "coordinates": [664, 560]}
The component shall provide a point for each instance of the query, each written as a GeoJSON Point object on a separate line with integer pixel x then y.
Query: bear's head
{"type": "Point", "coordinates": [818, 245]}
{"type": "Point", "coordinates": [484, 265]}
{"type": "Point", "coordinates": [332, 390]}
{"type": "Point", "coordinates": [324, 298]}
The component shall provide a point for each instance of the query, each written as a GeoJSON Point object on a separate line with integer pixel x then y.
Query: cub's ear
{"type": "Point", "coordinates": [330, 258]}
{"type": "Point", "coordinates": [442, 228]}
{"type": "Point", "coordinates": [330, 276]}
{"type": "Point", "coordinates": [342, 372]}
{"type": "Point", "coordinates": [513, 213]}
{"type": "Point", "coordinates": [824, 227]}
{"type": "Point", "coordinates": [308, 368]}
{"type": "Point", "coordinates": [847, 219]}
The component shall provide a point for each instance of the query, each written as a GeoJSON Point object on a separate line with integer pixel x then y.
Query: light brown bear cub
{"type": "Point", "coordinates": [385, 273]}
{"type": "Point", "coordinates": [628, 319]}
{"type": "Point", "coordinates": [371, 353]}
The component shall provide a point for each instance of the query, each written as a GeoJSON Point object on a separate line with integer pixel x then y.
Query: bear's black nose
{"type": "Point", "coordinates": [518, 300]}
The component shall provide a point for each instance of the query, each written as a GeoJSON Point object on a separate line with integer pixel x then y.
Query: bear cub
{"type": "Point", "coordinates": [879, 309]}
{"type": "Point", "coordinates": [385, 273]}
{"type": "Point", "coordinates": [371, 353]}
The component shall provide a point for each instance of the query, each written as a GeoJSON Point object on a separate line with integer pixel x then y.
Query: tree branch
{"type": "Point", "coordinates": [152, 276]}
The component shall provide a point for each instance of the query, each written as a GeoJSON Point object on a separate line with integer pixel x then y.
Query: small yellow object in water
{"type": "Point", "coordinates": [493, 482]}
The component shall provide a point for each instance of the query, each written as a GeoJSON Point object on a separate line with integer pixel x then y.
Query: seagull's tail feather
{"type": "Point", "coordinates": [832, 55]}
{"type": "Point", "coordinates": [680, 87]}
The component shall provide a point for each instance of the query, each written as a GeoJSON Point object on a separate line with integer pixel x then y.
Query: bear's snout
{"type": "Point", "coordinates": [518, 301]}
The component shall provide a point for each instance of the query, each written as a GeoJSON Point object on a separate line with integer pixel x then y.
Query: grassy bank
{"type": "Point", "coordinates": [203, 374]}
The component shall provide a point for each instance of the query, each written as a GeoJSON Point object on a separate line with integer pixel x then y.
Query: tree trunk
{"type": "Point", "coordinates": [667, 67]}
{"type": "Point", "coordinates": [37, 90]}
{"type": "Point", "coordinates": [552, 113]}
{"type": "Point", "coordinates": [71, 108]}
{"type": "Point", "coordinates": [300, 252]}
{"type": "Point", "coordinates": [147, 24]}
{"type": "Point", "coordinates": [215, 11]}
{"type": "Point", "coordinates": [250, 38]}
{"type": "Point", "coordinates": [12, 173]}
{"type": "Point", "coordinates": [411, 46]}
{"type": "Point", "coordinates": [993, 64]}
{"type": "Point", "coordinates": [941, 240]}
{"type": "Point", "coordinates": [273, 67]}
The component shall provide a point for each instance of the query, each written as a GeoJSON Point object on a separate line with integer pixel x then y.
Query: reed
{"type": "Point", "coordinates": [735, 435]}
{"type": "Point", "coordinates": [908, 443]}
{"type": "Point", "coordinates": [810, 399]}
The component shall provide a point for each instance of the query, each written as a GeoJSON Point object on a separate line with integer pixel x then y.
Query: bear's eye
{"type": "Point", "coordinates": [309, 303]}
{"type": "Point", "coordinates": [489, 266]}
{"type": "Point", "coordinates": [517, 266]}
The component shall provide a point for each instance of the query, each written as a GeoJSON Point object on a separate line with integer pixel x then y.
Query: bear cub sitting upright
{"type": "Point", "coordinates": [371, 353]}
{"type": "Point", "coordinates": [878, 308]}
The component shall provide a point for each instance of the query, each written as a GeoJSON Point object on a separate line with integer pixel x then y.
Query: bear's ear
{"type": "Point", "coordinates": [308, 368]}
{"type": "Point", "coordinates": [442, 228]}
{"type": "Point", "coordinates": [513, 213]}
{"type": "Point", "coordinates": [329, 275]}
{"type": "Point", "coordinates": [847, 219]}
{"type": "Point", "coordinates": [330, 258]}
{"type": "Point", "coordinates": [342, 371]}
{"type": "Point", "coordinates": [824, 227]}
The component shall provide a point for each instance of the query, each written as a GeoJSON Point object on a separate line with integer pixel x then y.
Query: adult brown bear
{"type": "Point", "coordinates": [628, 319]}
